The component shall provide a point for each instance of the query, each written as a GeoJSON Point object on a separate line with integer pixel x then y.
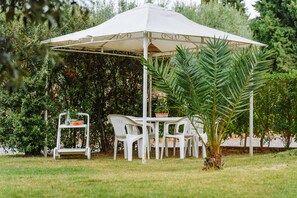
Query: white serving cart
{"type": "Point", "coordinates": [83, 150]}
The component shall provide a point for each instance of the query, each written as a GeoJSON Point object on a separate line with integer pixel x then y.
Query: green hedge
{"type": "Point", "coordinates": [275, 110]}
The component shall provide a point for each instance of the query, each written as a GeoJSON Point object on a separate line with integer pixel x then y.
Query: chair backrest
{"type": "Point", "coordinates": [182, 122]}
{"type": "Point", "coordinates": [122, 125]}
{"type": "Point", "coordinates": [198, 124]}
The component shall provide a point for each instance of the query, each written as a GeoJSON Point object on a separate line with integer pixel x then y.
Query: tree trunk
{"type": "Point", "coordinates": [214, 161]}
{"type": "Point", "coordinates": [288, 140]}
{"type": "Point", "coordinates": [245, 141]}
{"type": "Point", "coordinates": [262, 142]}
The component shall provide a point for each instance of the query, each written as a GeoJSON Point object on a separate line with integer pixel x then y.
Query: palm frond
{"type": "Point", "coordinates": [164, 79]}
{"type": "Point", "coordinates": [246, 77]}
{"type": "Point", "coordinates": [190, 78]}
{"type": "Point", "coordinates": [215, 60]}
{"type": "Point", "coordinates": [215, 85]}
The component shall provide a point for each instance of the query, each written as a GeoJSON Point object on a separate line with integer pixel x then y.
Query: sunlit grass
{"type": "Point", "coordinates": [270, 175]}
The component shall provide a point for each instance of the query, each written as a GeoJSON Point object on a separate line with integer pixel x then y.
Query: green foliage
{"type": "Point", "coordinates": [274, 109]}
{"type": "Point", "coordinates": [161, 106]}
{"type": "Point", "coordinates": [285, 113]}
{"type": "Point", "coordinates": [21, 14]}
{"type": "Point", "coordinates": [215, 84]}
{"type": "Point", "coordinates": [73, 114]}
{"type": "Point", "coordinates": [22, 120]}
{"type": "Point", "coordinates": [276, 26]}
{"type": "Point", "coordinates": [95, 84]}
{"type": "Point", "coordinates": [238, 4]}
{"type": "Point", "coordinates": [240, 128]}
{"type": "Point", "coordinates": [218, 16]}
{"type": "Point", "coordinates": [264, 109]}
{"type": "Point", "coordinates": [123, 5]}
{"type": "Point", "coordinates": [35, 11]}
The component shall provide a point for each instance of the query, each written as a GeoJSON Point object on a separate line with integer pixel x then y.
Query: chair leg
{"type": "Point", "coordinates": [139, 148]}
{"type": "Point", "coordinates": [195, 146]}
{"type": "Point", "coordinates": [125, 150]}
{"type": "Point", "coordinates": [130, 150]}
{"type": "Point", "coordinates": [148, 147]}
{"type": "Point", "coordinates": [115, 149]}
{"type": "Point", "coordinates": [182, 147]}
{"type": "Point", "coordinates": [163, 145]}
{"type": "Point", "coordinates": [174, 144]}
{"type": "Point", "coordinates": [152, 144]}
{"type": "Point", "coordinates": [166, 147]}
{"type": "Point", "coordinates": [203, 151]}
{"type": "Point", "coordinates": [189, 146]}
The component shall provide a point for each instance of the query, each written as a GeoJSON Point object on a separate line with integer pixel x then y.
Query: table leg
{"type": "Point", "coordinates": [157, 139]}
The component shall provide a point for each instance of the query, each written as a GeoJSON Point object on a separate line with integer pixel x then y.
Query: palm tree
{"type": "Point", "coordinates": [214, 85]}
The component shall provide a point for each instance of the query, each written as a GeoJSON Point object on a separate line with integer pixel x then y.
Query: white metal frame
{"type": "Point", "coordinates": [86, 150]}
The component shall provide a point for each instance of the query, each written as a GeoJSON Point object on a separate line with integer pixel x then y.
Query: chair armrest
{"type": "Point", "coordinates": [169, 123]}
{"type": "Point", "coordinates": [152, 126]}
{"type": "Point", "coordinates": [139, 124]}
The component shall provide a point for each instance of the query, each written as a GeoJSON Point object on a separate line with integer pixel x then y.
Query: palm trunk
{"type": "Point", "coordinates": [245, 140]}
{"type": "Point", "coordinates": [214, 159]}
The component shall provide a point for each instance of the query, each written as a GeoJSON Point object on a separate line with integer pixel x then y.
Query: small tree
{"type": "Point", "coordinates": [285, 122]}
{"type": "Point", "coordinates": [264, 108]}
{"type": "Point", "coordinates": [276, 26]}
{"type": "Point", "coordinates": [215, 85]}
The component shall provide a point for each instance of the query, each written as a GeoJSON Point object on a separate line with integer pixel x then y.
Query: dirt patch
{"type": "Point", "coordinates": [233, 150]}
{"type": "Point", "coordinates": [227, 150]}
{"type": "Point", "coordinates": [276, 167]}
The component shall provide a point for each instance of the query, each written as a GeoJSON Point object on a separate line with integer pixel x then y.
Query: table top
{"type": "Point", "coordinates": [64, 126]}
{"type": "Point", "coordinates": [155, 119]}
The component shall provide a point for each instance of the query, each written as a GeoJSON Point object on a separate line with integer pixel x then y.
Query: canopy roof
{"type": "Point", "coordinates": [125, 33]}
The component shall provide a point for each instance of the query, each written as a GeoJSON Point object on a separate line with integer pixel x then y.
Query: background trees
{"type": "Point", "coordinates": [275, 106]}
{"type": "Point", "coordinates": [25, 12]}
{"type": "Point", "coordinates": [275, 109]}
{"type": "Point", "coordinates": [238, 4]}
{"type": "Point", "coordinates": [276, 26]}
{"type": "Point", "coordinates": [95, 84]}
{"type": "Point", "coordinates": [217, 15]}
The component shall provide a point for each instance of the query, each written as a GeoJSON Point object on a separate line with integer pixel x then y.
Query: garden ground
{"type": "Point", "coordinates": [264, 175]}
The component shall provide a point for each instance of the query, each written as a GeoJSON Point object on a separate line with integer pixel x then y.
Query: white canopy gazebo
{"type": "Point", "coordinates": [142, 31]}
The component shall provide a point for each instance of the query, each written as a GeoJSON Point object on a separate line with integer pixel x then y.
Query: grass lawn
{"type": "Point", "coordinates": [269, 175]}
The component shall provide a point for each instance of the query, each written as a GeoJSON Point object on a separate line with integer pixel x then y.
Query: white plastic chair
{"type": "Point", "coordinates": [151, 132]}
{"type": "Point", "coordinates": [127, 131]}
{"type": "Point", "coordinates": [200, 136]}
{"type": "Point", "coordinates": [185, 137]}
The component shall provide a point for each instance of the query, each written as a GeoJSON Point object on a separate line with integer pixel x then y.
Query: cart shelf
{"type": "Point", "coordinates": [86, 150]}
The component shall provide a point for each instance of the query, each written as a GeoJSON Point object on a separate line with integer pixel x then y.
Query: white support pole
{"type": "Point", "coordinates": [45, 149]}
{"type": "Point", "coordinates": [150, 95]}
{"type": "Point", "coordinates": [144, 99]}
{"type": "Point", "coordinates": [251, 122]}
